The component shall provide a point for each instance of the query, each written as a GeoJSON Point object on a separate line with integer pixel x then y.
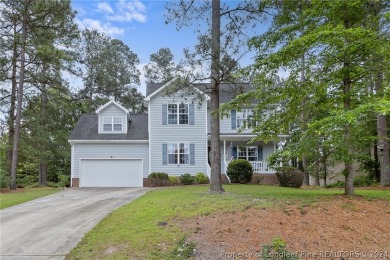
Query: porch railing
{"type": "Point", "coordinates": [258, 167]}
{"type": "Point", "coordinates": [261, 167]}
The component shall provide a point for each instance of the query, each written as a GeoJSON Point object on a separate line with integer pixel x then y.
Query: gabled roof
{"type": "Point", "coordinates": [227, 91]}
{"type": "Point", "coordinates": [151, 87]}
{"type": "Point", "coordinates": [114, 103]}
{"type": "Point", "coordinates": [87, 129]}
{"type": "Point", "coordinates": [154, 89]}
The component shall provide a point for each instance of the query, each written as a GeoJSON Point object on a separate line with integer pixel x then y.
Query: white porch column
{"type": "Point", "coordinates": [224, 153]}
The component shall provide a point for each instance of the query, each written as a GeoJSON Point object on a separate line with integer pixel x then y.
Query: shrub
{"type": "Point", "coordinates": [364, 181]}
{"type": "Point", "coordinates": [64, 180]}
{"type": "Point", "coordinates": [338, 184]}
{"type": "Point", "coordinates": [187, 179]}
{"type": "Point", "coordinates": [183, 250]}
{"type": "Point", "coordinates": [240, 171]}
{"type": "Point", "coordinates": [289, 177]}
{"type": "Point", "coordinates": [359, 181]}
{"type": "Point", "coordinates": [277, 251]}
{"type": "Point", "coordinates": [26, 180]}
{"type": "Point", "coordinates": [4, 180]}
{"type": "Point", "coordinates": [174, 180]}
{"type": "Point", "coordinates": [201, 178]}
{"type": "Point", "coordinates": [158, 178]}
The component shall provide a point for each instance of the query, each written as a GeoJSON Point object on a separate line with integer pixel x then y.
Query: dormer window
{"type": "Point", "coordinates": [112, 123]}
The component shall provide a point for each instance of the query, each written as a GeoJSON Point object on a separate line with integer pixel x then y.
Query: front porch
{"type": "Point", "coordinates": [238, 146]}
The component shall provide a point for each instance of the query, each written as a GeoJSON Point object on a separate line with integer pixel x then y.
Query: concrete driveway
{"type": "Point", "coordinates": [49, 227]}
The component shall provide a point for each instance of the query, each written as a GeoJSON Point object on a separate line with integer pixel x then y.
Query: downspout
{"type": "Point", "coordinates": [224, 160]}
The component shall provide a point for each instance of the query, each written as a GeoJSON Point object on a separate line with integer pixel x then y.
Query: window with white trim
{"type": "Point", "coordinates": [245, 119]}
{"type": "Point", "coordinates": [178, 114]}
{"type": "Point", "coordinates": [249, 153]}
{"type": "Point", "coordinates": [172, 114]}
{"type": "Point", "coordinates": [112, 123]}
{"type": "Point", "coordinates": [178, 153]}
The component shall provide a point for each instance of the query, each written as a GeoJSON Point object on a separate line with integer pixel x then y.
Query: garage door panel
{"type": "Point", "coordinates": [111, 173]}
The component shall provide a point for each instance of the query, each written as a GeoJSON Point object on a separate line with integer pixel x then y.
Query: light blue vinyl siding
{"type": "Point", "coordinates": [160, 134]}
{"type": "Point", "coordinates": [227, 126]}
{"type": "Point", "coordinates": [113, 110]}
{"type": "Point", "coordinates": [105, 151]}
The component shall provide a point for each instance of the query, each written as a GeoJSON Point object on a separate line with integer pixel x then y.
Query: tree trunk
{"type": "Point", "coordinates": [11, 114]}
{"type": "Point", "coordinates": [349, 189]}
{"type": "Point", "coordinates": [376, 159]}
{"type": "Point", "coordinates": [384, 157]}
{"type": "Point", "coordinates": [306, 177]}
{"type": "Point", "coordinates": [19, 101]}
{"type": "Point", "coordinates": [325, 174]}
{"type": "Point", "coordinates": [42, 160]}
{"type": "Point", "coordinates": [43, 171]}
{"type": "Point", "coordinates": [215, 180]}
{"type": "Point", "coordinates": [383, 143]}
{"type": "Point", "coordinates": [317, 173]}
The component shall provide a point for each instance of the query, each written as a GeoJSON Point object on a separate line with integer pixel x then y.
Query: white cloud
{"type": "Point", "coordinates": [105, 7]}
{"type": "Point", "coordinates": [105, 28]}
{"type": "Point", "coordinates": [127, 11]}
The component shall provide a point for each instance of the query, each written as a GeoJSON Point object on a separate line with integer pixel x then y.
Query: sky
{"type": "Point", "coordinates": [139, 24]}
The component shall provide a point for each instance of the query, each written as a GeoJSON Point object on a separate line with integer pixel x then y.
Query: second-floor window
{"type": "Point", "coordinates": [178, 114]}
{"type": "Point", "coordinates": [112, 124]}
{"type": "Point", "coordinates": [178, 153]}
{"type": "Point", "coordinates": [245, 119]}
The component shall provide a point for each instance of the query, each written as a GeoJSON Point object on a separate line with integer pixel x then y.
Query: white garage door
{"type": "Point", "coordinates": [111, 173]}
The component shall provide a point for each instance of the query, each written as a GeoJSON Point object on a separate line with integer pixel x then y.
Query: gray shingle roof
{"type": "Point", "coordinates": [151, 87]}
{"type": "Point", "coordinates": [87, 129]}
{"type": "Point", "coordinates": [227, 91]}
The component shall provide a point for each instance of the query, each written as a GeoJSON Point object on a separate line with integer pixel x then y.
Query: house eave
{"type": "Point", "coordinates": [108, 141]}
{"type": "Point", "coordinates": [147, 99]}
{"type": "Point", "coordinates": [240, 136]}
{"type": "Point", "coordinates": [108, 104]}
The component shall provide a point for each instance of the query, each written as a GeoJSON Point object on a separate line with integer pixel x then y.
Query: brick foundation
{"type": "Point", "coordinates": [147, 183]}
{"type": "Point", "coordinates": [75, 182]}
{"type": "Point", "coordinates": [269, 179]}
{"type": "Point", "coordinates": [258, 178]}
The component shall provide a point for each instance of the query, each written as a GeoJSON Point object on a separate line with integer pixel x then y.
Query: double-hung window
{"type": "Point", "coordinates": [245, 119]}
{"type": "Point", "coordinates": [112, 123]}
{"type": "Point", "coordinates": [249, 153]}
{"type": "Point", "coordinates": [172, 114]}
{"type": "Point", "coordinates": [178, 153]}
{"type": "Point", "coordinates": [178, 114]}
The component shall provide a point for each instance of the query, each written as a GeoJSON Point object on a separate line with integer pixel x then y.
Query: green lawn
{"type": "Point", "coordinates": [137, 230]}
{"type": "Point", "coordinates": [14, 198]}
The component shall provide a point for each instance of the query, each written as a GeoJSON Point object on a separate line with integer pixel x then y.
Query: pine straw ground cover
{"type": "Point", "coordinates": [315, 223]}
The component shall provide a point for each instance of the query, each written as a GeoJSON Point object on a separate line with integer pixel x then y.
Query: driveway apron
{"type": "Point", "coordinates": [49, 227]}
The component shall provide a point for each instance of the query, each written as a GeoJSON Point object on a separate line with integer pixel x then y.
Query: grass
{"type": "Point", "coordinates": [145, 228]}
{"type": "Point", "coordinates": [14, 198]}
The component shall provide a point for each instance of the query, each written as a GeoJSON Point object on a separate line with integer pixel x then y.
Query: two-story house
{"type": "Point", "coordinates": [113, 148]}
